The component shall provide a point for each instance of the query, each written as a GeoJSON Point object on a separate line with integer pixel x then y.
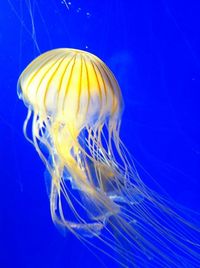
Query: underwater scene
{"type": "Point", "coordinates": [99, 141]}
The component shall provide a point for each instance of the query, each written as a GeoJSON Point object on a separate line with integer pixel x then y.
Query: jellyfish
{"type": "Point", "coordinates": [75, 105]}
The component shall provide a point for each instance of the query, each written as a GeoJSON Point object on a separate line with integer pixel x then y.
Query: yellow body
{"type": "Point", "coordinates": [71, 91]}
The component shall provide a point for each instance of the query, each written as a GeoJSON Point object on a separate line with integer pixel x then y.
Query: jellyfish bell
{"type": "Point", "coordinates": [75, 105]}
{"type": "Point", "coordinates": [72, 85]}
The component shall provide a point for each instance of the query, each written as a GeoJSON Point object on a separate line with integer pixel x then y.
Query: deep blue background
{"type": "Point", "coordinates": [153, 47]}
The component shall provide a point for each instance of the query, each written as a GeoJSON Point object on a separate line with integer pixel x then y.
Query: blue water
{"type": "Point", "coordinates": [153, 48]}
